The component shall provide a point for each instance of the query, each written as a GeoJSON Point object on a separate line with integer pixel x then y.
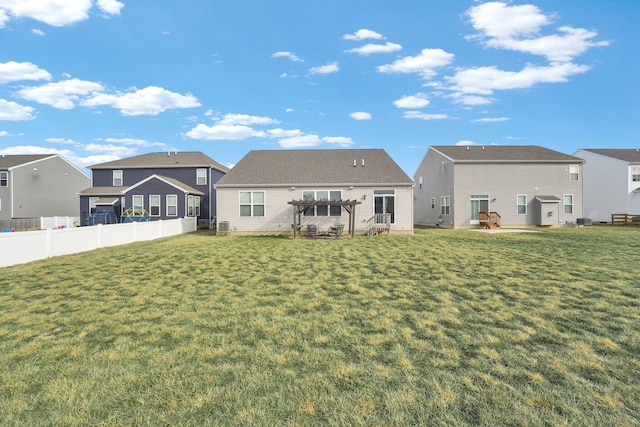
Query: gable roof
{"type": "Point", "coordinates": [8, 161]}
{"type": "Point", "coordinates": [631, 155]}
{"type": "Point", "coordinates": [504, 154]}
{"type": "Point", "coordinates": [179, 185]}
{"type": "Point", "coordinates": [176, 159]}
{"type": "Point", "coordinates": [315, 167]}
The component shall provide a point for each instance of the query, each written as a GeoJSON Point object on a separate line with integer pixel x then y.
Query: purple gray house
{"type": "Point", "coordinates": [158, 185]}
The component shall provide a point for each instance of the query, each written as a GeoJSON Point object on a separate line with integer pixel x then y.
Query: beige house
{"type": "Point", "coordinates": [257, 195]}
{"type": "Point", "coordinates": [497, 186]}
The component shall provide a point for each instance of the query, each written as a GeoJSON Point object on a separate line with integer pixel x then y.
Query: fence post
{"type": "Point", "coordinates": [49, 249]}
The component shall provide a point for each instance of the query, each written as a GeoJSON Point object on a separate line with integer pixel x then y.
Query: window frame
{"type": "Point", "coordinates": [197, 201]}
{"type": "Point", "coordinates": [445, 205]}
{"type": "Point", "coordinates": [322, 211]}
{"type": "Point", "coordinates": [574, 172]}
{"type": "Point", "coordinates": [152, 205]}
{"type": "Point", "coordinates": [201, 180]}
{"type": "Point", "coordinates": [433, 203]}
{"type": "Point", "coordinates": [114, 177]}
{"type": "Point", "coordinates": [521, 205]}
{"type": "Point", "coordinates": [566, 205]}
{"type": "Point", "coordinates": [170, 204]}
{"type": "Point", "coordinates": [191, 208]}
{"type": "Point", "coordinates": [5, 179]}
{"type": "Point", "coordinates": [135, 197]}
{"type": "Point", "coordinates": [93, 204]}
{"type": "Point", "coordinates": [635, 173]}
{"type": "Point", "coordinates": [252, 204]}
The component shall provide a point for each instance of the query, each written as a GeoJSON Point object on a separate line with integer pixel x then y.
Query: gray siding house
{"type": "Point", "coordinates": [611, 182]}
{"type": "Point", "coordinates": [256, 196]}
{"type": "Point", "coordinates": [35, 185]}
{"type": "Point", "coordinates": [497, 186]}
{"type": "Point", "coordinates": [163, 185]}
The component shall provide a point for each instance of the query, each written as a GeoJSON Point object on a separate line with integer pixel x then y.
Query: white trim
{"type": "Point", "coordinates": [159, 204]}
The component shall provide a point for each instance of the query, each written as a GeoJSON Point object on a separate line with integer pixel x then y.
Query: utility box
{"type": "Point", "coordinates": [583, 221]}
{"type": "Point", "coordinates": [224, 227]}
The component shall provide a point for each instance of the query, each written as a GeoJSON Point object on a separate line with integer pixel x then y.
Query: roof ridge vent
{"type": "Point", "coordinates": [362, 162]}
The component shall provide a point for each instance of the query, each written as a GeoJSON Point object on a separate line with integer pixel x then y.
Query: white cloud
{"type": "Point", "coordinates": [245, 119]}
{"type": "Point", "coordinates": [288, 55]}
{"type": "Point", "coordinates": [465, 142]}
{"type": "Point", "coordinates": [37, 32]}
{"type": "Point", "coordinates": [115, 150]}
{"type": "Point", "coordinates": [485, 80]}
{"type": "Point", "coordinates": [370, 48]}
{"type": "Point", "coordinates": [517, 28]}
{"type": "Point", "coordinates": [338, 140]}
{"type": "Point", "coordinates": [112, 7]}
{"type": "Point", "coordinates": [149, 101]}
{"type": "Point", "coordinates": [423, 64]}
{"type": "Point", "coordinates": [300, 141]}
{"type": "Point", "coordinates": [61, 141]}
{"type": "Point", "coordinates": [15, 71]}
{"type": "Point", "coordinates": [424, 116]}
{"type": "Point", "coordinates": [363, 34]}
{"type": "Point", "coordinates": [419, 100]}
{"type": "Point", "coordinates": [136, 142]}
{"type": "Point", "coordinates": [281, 133]}
{"type": "Point", "coordinates": [360, 115]}
{"type": "Point", "coordinates": [490, 120]}
{"type": "Point", "coordinates": [461, 98]}
{"type": "Point", "coordinates": [57, 13]}
{"type": "Point", "coordinates": [325, 69]}
{"type": "Point", "coordinates": [4, 133]}
{"type": "Point", "coordinates": [223, 132]}
{"type": "Point", "coordinates": [62, 95]}
{"type": "Point", "coordinates": [14, 112]}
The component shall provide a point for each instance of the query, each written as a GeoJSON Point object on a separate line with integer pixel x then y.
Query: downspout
{"type": "Point", "coordinates": [210, 195]}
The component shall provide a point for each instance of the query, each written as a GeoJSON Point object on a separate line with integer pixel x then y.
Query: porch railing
{"type": "Point", "coordinates": [378, 223]}
{"type": "Point", "coordinates": [625, 219]}
{"type": "Point", "coordinates": [490, 219]}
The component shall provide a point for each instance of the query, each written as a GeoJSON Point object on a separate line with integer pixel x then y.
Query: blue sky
{"type": "Point", "coordinates": [97, 80]}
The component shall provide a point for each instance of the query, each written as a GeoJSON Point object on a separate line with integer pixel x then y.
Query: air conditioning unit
{"type": "Point", "coordinates": [224, 227]}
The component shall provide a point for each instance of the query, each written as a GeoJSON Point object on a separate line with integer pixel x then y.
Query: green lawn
{"type": "Point", "coordinates": [438, 329]}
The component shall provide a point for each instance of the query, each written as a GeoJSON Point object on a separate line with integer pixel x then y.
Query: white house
{"type": "Point", "coordinates": [611, 182]}
{"type": "Point", "coordinates": [270, 191]}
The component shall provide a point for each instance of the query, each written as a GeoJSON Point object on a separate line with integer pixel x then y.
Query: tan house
{"type": "Point", "coordinates": [497, 186]}
{"type": "Point", "coordinates": [269, 191]}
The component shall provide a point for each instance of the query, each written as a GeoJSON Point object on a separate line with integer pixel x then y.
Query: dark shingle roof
{"type": "Point", "coordinates": [180, 159]}
{"type": "Point", "coordinates": [503, 153]}
{"type": "Point", "coordinates": [102, 191]}
{"type": "Point", "coordinates": [9, 161]}
{"type": "Point", "coordinates": [631, 155]}
{"type": "Point", "coordinates": [315, 167]}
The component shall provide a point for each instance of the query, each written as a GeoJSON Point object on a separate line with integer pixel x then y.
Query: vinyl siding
{"type": "Point", "coordinates": [52, 191]}
{"type": "Point", "coordinates": [279, 214]}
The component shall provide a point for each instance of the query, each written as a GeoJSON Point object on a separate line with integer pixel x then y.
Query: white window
{"type": "Point", "coordinates": [420, 183]}
{"type": "Point", "coordinates": [138, 202]}
{"type": "Point", "coordinates": [568, 203]}
{"type": "Point", "coordinates": [322, 195]}
{"type": "Point", "coordinates": [433, 203]}
{"type": "Point", "coordinates": [522, 204]}
{"type": "Point", "coordinates": [172, 205]}
{"type": "Point", "coordinates": [445, 207]}
{"type": "Point", "coordinates": [201, 176]}
{"type": "Point", "coordinates": [252, 203]}
{"type": "Point", "coordinates": [635, 173]}
{"type": "Point", "coordinates": [154, 205]}
{"type": "Point", "coordinates": [4, 179]}
{"type": "Point", "coordinates": [574, 172]}
{"type": "Point", "coordinates": [191, 207]}
{"type": "Point", "coordinates": [197, 203]}
{"type": "Point", "coordinates": [92, 204]}
{"type": "Point", "coordinates": [117, 178]}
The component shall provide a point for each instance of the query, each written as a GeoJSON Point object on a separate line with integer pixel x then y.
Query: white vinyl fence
{"type": "Point", "coordinates": [27, 246]}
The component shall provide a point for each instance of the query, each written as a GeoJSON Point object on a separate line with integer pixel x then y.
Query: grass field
{"type": "Point", "coordinates": [443, 328]}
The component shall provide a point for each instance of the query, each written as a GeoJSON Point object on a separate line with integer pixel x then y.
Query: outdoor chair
{"type": "Point", "coordinates": [312, 231]}
{"type": "Point", "coordinates": [336, 230]}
